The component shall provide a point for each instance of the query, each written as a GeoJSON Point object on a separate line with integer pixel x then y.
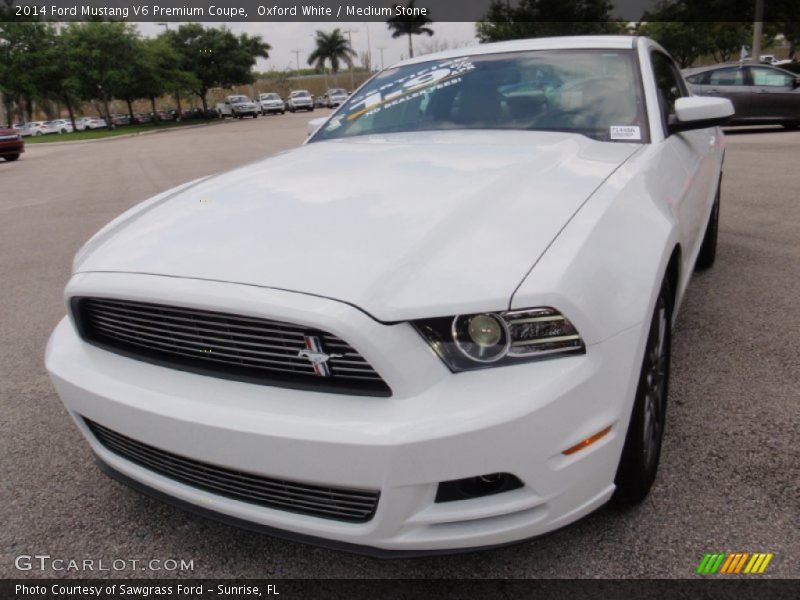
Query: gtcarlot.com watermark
{"type": "Point", "coordinates": [45, 562]}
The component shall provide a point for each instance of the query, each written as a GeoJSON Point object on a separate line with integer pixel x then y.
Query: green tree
{"type": "Point", "coordinates": [215, 57]}
{"type": "Point", "coordinates": [542, 18]}
{"type": "Point", "coordinates": [331, 47]}
{"type": "Point", "coordinates": [104, 52]}
{"type": "Point", "coordinates": [409, 25]}
{"type": "Point", "coordinates": [24, 48]}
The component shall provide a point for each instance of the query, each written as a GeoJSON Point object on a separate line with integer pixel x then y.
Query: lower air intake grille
{"type": "Point", "coordinates": [226, 345]}
{"type": "Point", "coordinates": [356, 506]}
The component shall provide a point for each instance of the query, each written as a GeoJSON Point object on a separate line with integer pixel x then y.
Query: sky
{"type": "Point", "coordinates": [285, 37]}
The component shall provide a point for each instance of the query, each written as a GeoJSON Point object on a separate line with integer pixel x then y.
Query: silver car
{"type": "Point", "coordinates": [300, 100]}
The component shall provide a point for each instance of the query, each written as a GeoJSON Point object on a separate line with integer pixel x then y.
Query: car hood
{"type": "Point", "coordinates": [402, 226]}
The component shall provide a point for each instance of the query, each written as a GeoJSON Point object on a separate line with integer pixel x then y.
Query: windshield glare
{"type": "Point", "coordinates": [239, 99]}
{"type": "Point", "coordinates": [596, 93]}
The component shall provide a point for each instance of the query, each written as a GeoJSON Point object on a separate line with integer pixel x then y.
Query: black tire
{"type": "Point", "coordinates": [640, 455]}
{"type": "Point", "coordinates": [792, 125]}
{"type": "Point", "coordinates": [11, 157]}
{"type": "Point", "coordinates": [255, 115]}
{"type": "Point", "coordinates": [708, 249]}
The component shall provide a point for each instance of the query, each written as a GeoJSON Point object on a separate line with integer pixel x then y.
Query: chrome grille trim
{"type": "Point", "coordinates": [352, 505]}
{"type": "Point", "coordinates": [222, 345]}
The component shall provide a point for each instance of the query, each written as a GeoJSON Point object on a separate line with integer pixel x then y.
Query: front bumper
{"type": "Point", "coordinates": [436, 426]}
{"type": "Point", "coordinates": [12, 147]}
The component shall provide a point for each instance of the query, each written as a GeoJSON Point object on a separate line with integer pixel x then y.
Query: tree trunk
{"type": "Point", "coordinates": [178, 102]}
{"type": "Point", "coordinates": [71, 113]}
{"type": "Point", "coordinates": [410, 47]}
{"type": "Point", "coordinates": [109, 124]}
{"type": "Point", "coordinates": [130, 109]}
{"type": "Point", "coordinates": [204, 100]}
{"type": "Point", "coordinates": [153, 105]}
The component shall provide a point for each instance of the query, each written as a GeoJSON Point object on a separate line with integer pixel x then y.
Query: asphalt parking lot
{"type": "Point", "coordinates": [730, 472]}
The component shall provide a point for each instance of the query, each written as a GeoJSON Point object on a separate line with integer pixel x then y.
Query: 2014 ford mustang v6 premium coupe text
{"type": "Point", "coordinates": [442, 323]}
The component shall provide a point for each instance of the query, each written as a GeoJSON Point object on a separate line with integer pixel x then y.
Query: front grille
{"type": "Point", "coordinates": [224, 345]}
{"type": "Point", "coordinates": [341, 504]}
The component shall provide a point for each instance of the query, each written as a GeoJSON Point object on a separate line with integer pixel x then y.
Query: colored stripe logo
{"type": "Point", "coordinates": [734, 563]}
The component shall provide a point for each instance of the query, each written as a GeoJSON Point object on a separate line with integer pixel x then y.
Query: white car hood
{"type": "Point", "coordinates": [402, 226]}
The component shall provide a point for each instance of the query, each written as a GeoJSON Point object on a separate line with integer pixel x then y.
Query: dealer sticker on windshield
{"type": "Point", "coordinates": [625, 132]}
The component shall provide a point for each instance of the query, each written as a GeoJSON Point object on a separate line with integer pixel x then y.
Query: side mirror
{"type": "Point", "coordinates": [699, 112]}
{"type": "Point", "coordinates": [315, 124]}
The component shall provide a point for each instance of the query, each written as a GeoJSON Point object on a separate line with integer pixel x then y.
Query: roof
{"type": "Point", "coordinates": [614, 42]}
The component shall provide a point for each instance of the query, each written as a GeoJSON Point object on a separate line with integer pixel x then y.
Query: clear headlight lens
{"type": "Point", "coordinates": [466, 342]}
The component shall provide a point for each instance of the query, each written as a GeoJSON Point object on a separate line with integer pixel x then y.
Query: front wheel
{"type": "Point", "coordinates": [640, 455]}
{"type": "Point", "coordinates": [11, 157]}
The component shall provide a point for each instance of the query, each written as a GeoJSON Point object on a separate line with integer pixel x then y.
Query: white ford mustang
{"type": "Point", "coordinates": [442, 323]}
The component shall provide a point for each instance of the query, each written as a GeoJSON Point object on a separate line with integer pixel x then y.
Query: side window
{"type": "Point", "coordinates": [669, 83]}
{"type": "Point", "coordinates": [699, 79]}
{"type": "Point", "coordinates": [730, 76]}
{"type": "Point", "coordinates": [770, 77]}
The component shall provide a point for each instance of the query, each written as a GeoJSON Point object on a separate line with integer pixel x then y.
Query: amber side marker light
{"type": "Point", "coordinates": [587, 442]}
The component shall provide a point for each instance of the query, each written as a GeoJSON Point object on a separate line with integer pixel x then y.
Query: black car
{"type": "Point", "coordinates": [761, 94]}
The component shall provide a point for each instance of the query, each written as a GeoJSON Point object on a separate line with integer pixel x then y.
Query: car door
{"type": "Point", "coordinates": [775, 94]}
{"type": "Point", "coordinates": [695, 150]}
{"type": "Point", "coordinates": [731, 83]}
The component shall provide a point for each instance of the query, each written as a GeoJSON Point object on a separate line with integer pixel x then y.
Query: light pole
{"type": "Point", "coordinates": [297, 57]}
{"type": "Point", "coordinates": [381, 48]}
{"type": "Point", "coordinates": [369, 47]}
{"type": "Point", "coordinates": [758, 30]}
{"type": "Point", "coordinates": [177, 92]}
{"type": "Point", "coordinates": [350, 33]}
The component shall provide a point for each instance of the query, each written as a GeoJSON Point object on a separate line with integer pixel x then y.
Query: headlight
{"type": "Point", "coordinates": [467, 342]}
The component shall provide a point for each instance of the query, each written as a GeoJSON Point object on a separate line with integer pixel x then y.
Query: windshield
{"type": "Point", "coordinates": [300, 94]}
{"type": "Point", "coordinates": [337, 92]}
{"type": "Point", "coordinates": [270, 97]}
{"type": "Point", "coordinates": [596, 93]}
{"type": "Point", "coordinates": [239, 99]}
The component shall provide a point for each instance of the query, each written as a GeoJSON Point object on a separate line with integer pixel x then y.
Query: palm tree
{"type": "Point", "coordinates": [331, 47]}
{"type": "Point", "coordinates": [409, 25]}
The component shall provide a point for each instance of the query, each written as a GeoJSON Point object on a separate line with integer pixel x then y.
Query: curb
{"type": "Point", "coordinates": [126, 135]}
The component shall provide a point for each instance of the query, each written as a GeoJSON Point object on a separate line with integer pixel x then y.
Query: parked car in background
{"type": "Point", "coordinates": [271, 103]}
{"type": "Point", "coordinates": [90, 123]}
{"type": "Point", "coordinates": [335, 97]}
{"type": "Point", "coordinates": [319, 101]}
{"type": "Point", "coordinates": [142, 118]}
{"type": "Point", "coordinates": [238, 107]}
{"type": "Point", "coordinates": [11, 144]}
{"type": "Point", "coordinates": [300, 100]}
{"type": "Point", "coordinates": [761, 94]}
{"type": "Point", "coordinates": [120, 120]}
{"type": "Point", "coordinates": [771, 59]}
{"type": "Point", "coordinates": [165, 115]}
{"type": "Point", "coordinates": [57, 126]}
{"type": "Point", "coordinates": [442, 323]}
{"type": "Point", "coordinates": [33, 128]}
